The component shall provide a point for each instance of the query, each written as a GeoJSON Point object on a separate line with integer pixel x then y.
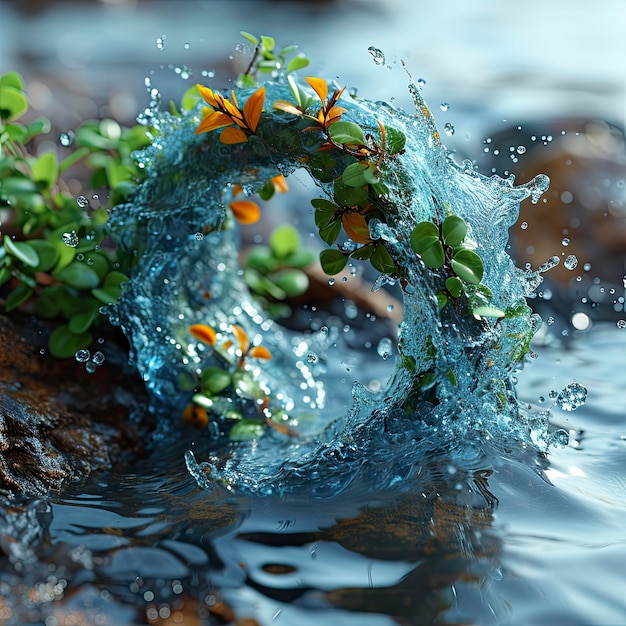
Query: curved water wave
{"type": "Point", "coordinates": [455, 371]}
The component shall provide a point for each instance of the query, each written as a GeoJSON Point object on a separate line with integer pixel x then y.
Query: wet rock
{"type": "Point", "coordinates": [59, 423]}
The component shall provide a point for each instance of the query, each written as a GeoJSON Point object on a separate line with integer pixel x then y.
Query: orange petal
{"type": "Point", "coordinates": [237, 189]}
{"type": "Point", "coordinates": [280, 184]}
{"type": "Point", "coordinates": [232, 135]}
{"type": "Point", "coordinates": [214, 120]}
{"type": "Point", "coordinates": [287, 107]}
{"type": "Point", "coordinates": [253, 107]}
{"type": "Point", "coordinates": [260, 352]}
{"type": "Point", "coordinates": [334, 115]}
{"type": "Point", "coordinates": [196, 415]}
{"type": "Point", "coordinates": [227, 344]}
{"type": "Point", "coordinates": [242, 338]}
{"type": "Point", "coordinates": [356, 227]}
{"type": "Point", "coordinates": [207, 95]}
{"type": "Point", "coordinates": [203, 333]}
{"type": "Point", "coordinates": [245, 211]}
{"type": "Point", "coordinates": [319, 86]}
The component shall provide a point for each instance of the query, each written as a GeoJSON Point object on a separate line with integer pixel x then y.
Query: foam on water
{"type": "Point", "coordinates": [181, 279]}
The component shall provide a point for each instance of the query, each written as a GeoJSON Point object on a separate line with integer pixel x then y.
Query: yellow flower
{"type": "Point", "coordinates": [237, 124]}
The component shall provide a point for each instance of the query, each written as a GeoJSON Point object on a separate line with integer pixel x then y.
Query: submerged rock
{"type": "Point", "coordinates": [59, 423]}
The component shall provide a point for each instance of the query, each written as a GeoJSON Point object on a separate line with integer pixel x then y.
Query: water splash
{"type": "Point", "coordinates": [454, 373]}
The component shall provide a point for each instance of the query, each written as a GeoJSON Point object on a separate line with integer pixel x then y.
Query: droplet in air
{"type": "Point", "coordinates": [553, 261]}
{"type": "Point", "coordinates": [82, 202]}
{"type": "Point", "coordinates": [621, 323]}
{"type": "Point", "coordinates": [421, 83]}
{"type": "Point", "coordinates": [565, 241]}
{"type": "Point", "coordinates": [82, 356]}
{"type": "Point", "coordinates": [448, 129]}
{"type": "Point", "coordinates": [572, 397]}
{"type": "Point", "coordinates": [570, 262]}
{"type": "Point", "coordinates": [70, 239]}
{"type": "Point", "coordinates": [160, 42]}
{"type": "Point", "coordinates": [199, 236]}
{"type": "Point", "coordinates": [385, 347]}
{"type": "Point", "coordinates": [444, 106]}
{"type": "Point", "coordinates": [66, 139]}
{"type": "Point", "coordinates": [98, 358]}
{"type": "Point", "coordinates": [311, 357]}
{"type": "Point", "coordinates": [559, 438]}
{"type": "Point", "coordinates": [524, 225]}
{"type": "Point", "coordinates": [377, 55]}
{"type": "Point", "coordinates": [521, 149]}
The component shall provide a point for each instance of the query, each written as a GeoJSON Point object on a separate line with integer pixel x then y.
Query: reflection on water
{"type": "Point", "coordinates": [503, 538]}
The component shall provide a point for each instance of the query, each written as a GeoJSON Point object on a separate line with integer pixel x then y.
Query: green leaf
{"type": "Point", "coordinates": [284, 240]}
{"type": "Point", "coordinates": [442, 300]}
{"type": "Point", "coordinates": [333, 261]}
{"type": "Point", "coordinates": [360, 174]}
{"type": "Point", "coordinates": [251, 38]}
{"type": "Point", "coordinates": [297, 63]}
{"type": "Point", "coordinates": [214, 380]}
{"type": "Point", "coordinates": [330, 232]}
{"type": "Point", "coordinates": [299, 258]}
{"type": "Point", "coordinates": [37, 127]}
{"type": "Point", "coordinates": [346, 196]}
{"type": "Point", "coordinates": [247, 386]}
{"type": "Point", "coordinates": [325, 211]}
{"type": "Point", "coordinates": [261, 259]}
{"type": "Point", "coordinates": [12, 79]}
{"type": "Point", "coordinates": [396, 140]}
{"type": "Point", "coordinates": [190, 98]}
{"type": "Point", "coordinates": [22, 251]}
{"type": "Point", "coordinates": [63, 343]}
{"type": "Point", "coordinates": [364, 252]}
{"type": "Point", "coordinates": [13, 102]}
{"type": "Point", "coordinates": [382, 261]}
{"type": "Point", "coordinates": [454, 286]}
{"type": "Point", "coordinates": [347, 133]}
{"type": "Point", "coordinates": [488, 311]}
{"type": "Point", "coordinates": [46, 169]}
{"type": "Point", "coordinates": [468, 266]}
{"type": "Point", "coordinates": [293, 282]}
{"type": "Point", "coordinates": [246, 430]}
{"type": "Point", "coordinates": [20, 294]}
{"type": "Point", "coordinates": [117, 173]}
{"type": "Point", "coordinates": [78, 275]}
{"type": "Point", "coordinates": [47, 253]}
{"type": "Point", "coordinates": [425, 241]}
{"type": "Point", "coordinates": [18, 187]}
{"type": "Point", "coordinates": [80, 322]}
{"type": "Point", "coordinates": [267, 191]}
{"type": "Point", "coordinates": [268, 43]}
{"type": "Point", "coordinates": [453, 230]}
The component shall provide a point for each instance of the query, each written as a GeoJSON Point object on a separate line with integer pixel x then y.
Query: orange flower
{"type": "Point", "coordinates": [328, 114]}
{"type": "Point", "coordinates": [238, 124]}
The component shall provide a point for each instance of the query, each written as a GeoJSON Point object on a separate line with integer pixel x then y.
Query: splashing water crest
{"type": "Point", "coordinates": [470, 361]}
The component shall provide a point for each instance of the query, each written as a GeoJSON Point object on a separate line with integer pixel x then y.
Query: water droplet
{"type": "Point", "coordinates": [90, 367]}
{"type": "Point", "coordinates": [82, 356]}
{"type": "Point", "coordinates": [573, 396]}
{"type": "Point", "coordinates": [70, 239]}
{"type": "Point", "coordinates": [66, 139]}
{"type": "Point", "coordinates": [621, 323]}
{"type": "Point", "coordinates": [160, 42]}
{"type": "Point", "coordinates": [199, 236]}
{"type": "Point", "coordinates": [390, 308]}
{"type": "Point", "coordinates": [331, 281]}
{"type": "Point", "coordinates": [565, 241]}
{"type": "Point", "coordinates": [553, 261]}
{"type": "Point", "coordinates": [560, 438]}
{"type": "Point", "coordinates": [385, 347]}
{"type": "Point", "coordinates": [98, 358]}
{"type": "Point", "coordinates": [570, 262]}
{"type": "Point", "coordinates": [444, 106]}
{"type": "Point", "coordinates": [421, 83]}
{"type": "Point", "coordinates": [311, 357]}
{"type": "Point", "coordinates": [550, 321]}
{"type": "Point", "coordinates": [521, 149]}
{"type": "Point", "coordinates": [186, 46]}
{"type": "Point", "coordinates": [524, 225]}
{"type": "Point", "coordinates": [82, 202]}
{"type": "Point", "coordinates": [377, 55]}
{"type": "Point", "coordinates": [448, 129]}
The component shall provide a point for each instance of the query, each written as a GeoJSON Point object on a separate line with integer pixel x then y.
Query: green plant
{"type": "Point", "coordinates": [53, 258]}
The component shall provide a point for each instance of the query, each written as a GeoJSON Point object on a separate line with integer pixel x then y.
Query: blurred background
{"type": "Point", "coordinates": [518, 87]}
